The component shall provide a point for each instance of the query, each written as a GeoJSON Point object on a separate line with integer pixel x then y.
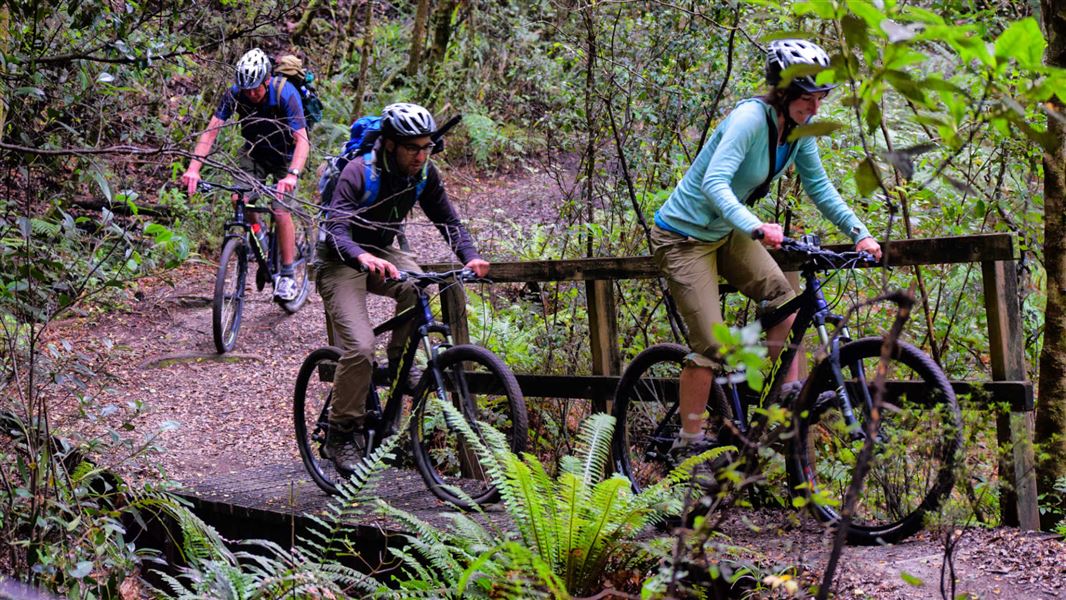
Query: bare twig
{"type": "Point", "coordinates": [870, 429]}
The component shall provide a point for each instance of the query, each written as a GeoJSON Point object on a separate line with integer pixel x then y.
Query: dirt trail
{"type": "Point", "coordinates": [232, 413]}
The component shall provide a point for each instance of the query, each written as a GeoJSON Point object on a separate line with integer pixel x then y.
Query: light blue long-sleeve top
{"type": "Point", "coordinates": [709, 200]}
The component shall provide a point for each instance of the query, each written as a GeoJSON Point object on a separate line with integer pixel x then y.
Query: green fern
{"type": "Point", "coordinates": [271, 571]}
{"type": "Point", "coordinates": [569, 529]}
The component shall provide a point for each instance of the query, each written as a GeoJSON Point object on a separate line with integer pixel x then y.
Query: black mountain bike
{"type": "Point", "coordinates": [916, 442]}
{"type": "Point", "coordinates": [469, 377]}
{"type": "Point", "coordinates": [239, 241]}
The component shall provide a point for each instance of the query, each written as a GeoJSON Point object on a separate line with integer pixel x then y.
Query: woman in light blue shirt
{"type": "Point", "coordinates": [705, 229]}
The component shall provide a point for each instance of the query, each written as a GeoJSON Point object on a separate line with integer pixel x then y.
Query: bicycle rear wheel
{"type": "Point", "coordinates": [228, 301]}
{"type": "Point", "coordinates": [646, 414]}
{"type": "Point", "coordinates": [310, 407]}
{"type": "Point", "coordinates": [306, 237]}
{"type": "Point", "coordinates": [912, 468]}
{"type": "Point", "coordinates": [484, 390]}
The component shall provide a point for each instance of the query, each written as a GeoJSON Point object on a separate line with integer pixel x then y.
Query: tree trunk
{"type": "Point", "coordinates": [364, 60]}
{"type": "Point", "coordinates": [442, 32]}
{"type": "Point", "coordinates": [305, 21]}
{"type": "Point", "coordinates": [1051, 408]}
{"type": "Point", "coordinates": [418, 38]}
{"type": "Point", "coordinates": [5, 34]}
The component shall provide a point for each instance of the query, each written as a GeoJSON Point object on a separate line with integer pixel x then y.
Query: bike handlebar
{"type": "Point", "coordinates": [248, 193]}
{"type": "Point", "coordinates": [817, 253]}
{"type": "Point", "coordinates": [429, 278]}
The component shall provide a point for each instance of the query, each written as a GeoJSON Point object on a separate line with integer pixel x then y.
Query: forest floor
{"type": "Point", "coordinates": [218, 415]}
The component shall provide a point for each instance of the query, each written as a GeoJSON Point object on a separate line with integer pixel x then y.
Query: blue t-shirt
{"type": "Point", "coordinates": [267, 127]}
{"type": "Point", "coordinates": [782, 156]}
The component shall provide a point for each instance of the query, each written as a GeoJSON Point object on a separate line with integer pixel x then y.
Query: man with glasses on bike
{"type": "Point", "coordinates": [705, 229]}
{"type": "Point", "coordinates": [357, 256]}
{"type": "Point", "coordinates": [275, 146]}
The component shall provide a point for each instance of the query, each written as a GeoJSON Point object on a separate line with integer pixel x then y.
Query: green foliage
{"type": "Point", "coordinates": [64, 519]}
{"type": "Point", "coordinates": [572, 529]}
{"type": "Point", "coordinates": [50, 262]}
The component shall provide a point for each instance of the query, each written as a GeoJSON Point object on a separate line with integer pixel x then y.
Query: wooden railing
{"type": "Point", "coordinates": [1008, 384]}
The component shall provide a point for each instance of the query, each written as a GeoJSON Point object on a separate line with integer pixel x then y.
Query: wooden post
{"type": "Point", "coordinates": [453, 313]}
{"type": "Point", "coordinates": [603, 334]}
{"type": "Point", "coordinates": [1019, 505]}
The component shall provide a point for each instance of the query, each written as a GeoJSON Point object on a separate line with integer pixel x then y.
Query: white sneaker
{"type": "Point", "coordinates": [285, 289]}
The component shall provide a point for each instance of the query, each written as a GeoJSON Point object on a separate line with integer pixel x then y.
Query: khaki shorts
{"type": "Point", "coordinates": [692, 267]}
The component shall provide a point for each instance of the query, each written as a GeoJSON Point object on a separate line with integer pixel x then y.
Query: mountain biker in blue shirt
{"type": "Point", "coordinates": [275, 146]}
{"type": "Point", "coordinates": [705, 229]}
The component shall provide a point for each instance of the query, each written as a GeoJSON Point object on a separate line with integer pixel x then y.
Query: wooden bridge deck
{"type": "Point", "coordinates": [276, 501]}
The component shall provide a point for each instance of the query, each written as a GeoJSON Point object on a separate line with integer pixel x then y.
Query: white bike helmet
{"type": "Point", "coordinates": [403, 120]}
{"type": "Point", "coordinates": [782, 54]}
{"type": "Point", "coordinates": [252, 69]}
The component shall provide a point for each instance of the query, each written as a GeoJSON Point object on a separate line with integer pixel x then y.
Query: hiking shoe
{"type": "Point", "coordinates": [789, 392]}
{"type": "Point", "coordinates": [285, 290]}
{"type": "Point", "coordinates": [345, 448]}
{"type": "Point", "coordinates": [413, 376]}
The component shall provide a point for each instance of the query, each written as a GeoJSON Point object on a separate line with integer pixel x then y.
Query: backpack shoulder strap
{"type": "Point", "coordinates": [371, 180]}
{"type": "Point", "coordinates": [277, 83]}
{"type": "Point", "coordinates": [771, 143]}
{"type": "Point", "coordinates": [421, 185]}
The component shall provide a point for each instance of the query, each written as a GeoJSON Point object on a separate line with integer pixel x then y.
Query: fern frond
{"type": "Point", "coordinates": [426, 539]}
{"type": "Point", "coordinates": [352, 494]}
{"type": "Point", "coordinates": [489, 446]}
{"type": "Point", "coordinates": [477, 534]}
{"type": "Point", "coordinates": [603, 511]}
{"type": "Point", "coordinates": [43, 228]}
{"type": "Point", "coordinates": [415, 566]}
{"type": "Point", "coordinates": [571, 508]}
{"type": "Point", "coordinates": [683, 471]}
{"type": "Point", "coordinates": [348, 578]}
{"type": "Point", "coordinates": [594, 447]}
{"type": "Point", "coordinates": [529, 510]}
{"type": "Point", "coordinates": [505, 571]}
{"type": "Point", "coordinates": [196, 541]}
{"type": "Point", "coordinates": [548, 497]}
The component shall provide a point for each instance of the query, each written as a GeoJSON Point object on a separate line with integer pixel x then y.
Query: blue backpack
{"type": "Point", "coordinates": [362, 136]}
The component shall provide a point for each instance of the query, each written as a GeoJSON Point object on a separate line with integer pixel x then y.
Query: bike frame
{"type": "Point", "coordinates": [810, 308]}
{"type": "Point", "coordinates": [388, 416]}
{"type": "Point", "coordinates": [265, 257]}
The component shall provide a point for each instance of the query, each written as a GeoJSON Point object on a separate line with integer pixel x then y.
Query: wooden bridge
{"type": "Point", "coordinates": [281, 496]}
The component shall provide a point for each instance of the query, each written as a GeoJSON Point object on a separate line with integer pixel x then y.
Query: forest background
{"type": "Point", "coordinates": [947, 122]}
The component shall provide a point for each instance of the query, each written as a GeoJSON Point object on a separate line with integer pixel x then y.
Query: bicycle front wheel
{"type": "Point", "coordinates": [306, 236]}
{"type": "Point", "coordinates": [916, 443]}
{"type": "Point", "coordinates": [310, 407]}
{"type": "Point", "coordinates": [228, 301]}
{"type": "Point", "coordinates": [647, 419]}
{"type": "Point", "coordinates": [483, 389]}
